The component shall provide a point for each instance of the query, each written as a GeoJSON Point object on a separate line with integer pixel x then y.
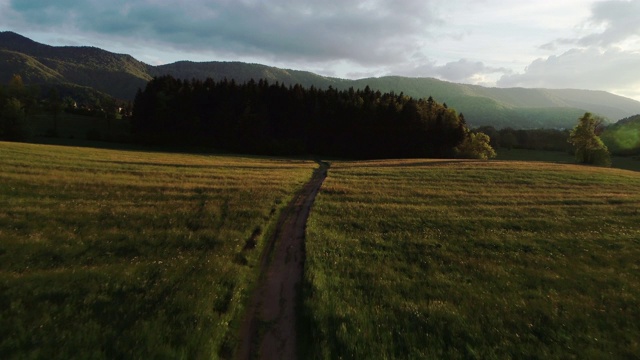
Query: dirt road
{"type": "Point", "coordinates": [269, 330]}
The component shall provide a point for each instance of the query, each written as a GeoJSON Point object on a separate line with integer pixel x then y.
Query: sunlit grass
{"type": "Point", "coordinates": [131, 254]}
{"type": "Point", "coordinates": [620, 162]}
{"type": "Point", "coordinates": [466, 259]}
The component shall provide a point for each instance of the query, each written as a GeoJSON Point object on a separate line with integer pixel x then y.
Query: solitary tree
{"type": "Point", "coordinates": [589, 149]}
{"type": "Point", "coordinates": [476, 146]}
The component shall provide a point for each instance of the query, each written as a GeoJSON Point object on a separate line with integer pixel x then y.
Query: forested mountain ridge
{"type": "Point", "coordinates": [243, 72]}
{"type": "Point", "coordinates": [117, 75]}
{"type": "Point", "coordinates": [121, 75]}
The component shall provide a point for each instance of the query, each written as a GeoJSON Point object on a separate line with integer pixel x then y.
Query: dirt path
{"type": "Point", "coordinates": [269, 330]}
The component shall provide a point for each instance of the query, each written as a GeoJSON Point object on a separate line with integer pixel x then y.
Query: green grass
{"type": "Point", "coordinates": [131, 254]}
{"type": "Point", "coordinates": [470, 259]}
{"type": "Point", "coordinates": [140, 254]}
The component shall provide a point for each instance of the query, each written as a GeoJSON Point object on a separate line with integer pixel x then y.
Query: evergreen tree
{"type": "Point", "coordinates": [54, 107]}
{"type": "Point", "coordinates": [12, 120]}
{"type": "Point", "coordinates": [259, 117]}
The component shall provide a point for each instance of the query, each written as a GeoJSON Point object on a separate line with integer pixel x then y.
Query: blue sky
{"type": "Point", "coordinates": [556, 44]}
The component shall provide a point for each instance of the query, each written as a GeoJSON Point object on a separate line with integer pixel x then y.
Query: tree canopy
{"type": "Point", "coordinates": [589, 149]}
{"type": "Point", "coordinates": [16, 101]}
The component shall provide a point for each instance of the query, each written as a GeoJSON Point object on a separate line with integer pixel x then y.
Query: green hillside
{"type": "Point", "coordinates": [511, 107]}
{"type": "Point", "coordinates": [81, 67]}
{"type": "Point", "coordinates": [120, 76]}
{"type": "Point", "coordinates": [28, 67]}
{"type": "Point", "coordinates": [623, 137]}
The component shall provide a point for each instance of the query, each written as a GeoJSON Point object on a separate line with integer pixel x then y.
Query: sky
{"type": "Point", "coordinates": [578, 44]}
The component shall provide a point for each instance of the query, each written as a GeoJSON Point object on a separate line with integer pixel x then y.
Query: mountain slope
{"type": "Point", "coordinates": [623, 137]}
{"type": "Point", "coordinates": [242, 72]}
{"type": "Point", "coordinates": [114, 74]}
{"type": "Point", "coordinates": [512, 107]}
{"type": "Point", "coordinates": [515, 107]}
{"type": "Point", "coordinates": [121, 76]}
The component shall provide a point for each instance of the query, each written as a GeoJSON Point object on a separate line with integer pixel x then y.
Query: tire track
{"type": "Point", "coordinates": [269, 329]}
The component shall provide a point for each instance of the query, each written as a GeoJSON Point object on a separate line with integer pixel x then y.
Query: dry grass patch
{"type": "Point", "coordinates": [131, 254]}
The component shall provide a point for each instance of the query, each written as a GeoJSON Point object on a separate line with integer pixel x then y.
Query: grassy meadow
{"type": "Point", "coordinates": [471, 259]}
{"type": "Point", "coordinates": [619, 162]}
{"type": "Point", "coordinates": [131, 254]}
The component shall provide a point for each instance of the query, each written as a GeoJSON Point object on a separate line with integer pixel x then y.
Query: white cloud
{"type": "Point", "coordinates": [463, 70]}
{"type": "Point", "coordinates": [604, 56]}
{"type": "Point", "coordinates": [590, 68]}
{"type": "Point", "coordinates": [620, 19]}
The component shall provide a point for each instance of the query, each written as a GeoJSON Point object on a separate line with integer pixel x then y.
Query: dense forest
{"type": "Point", "coordinates": [278, 119]}
{"type": "Point", "coordinates": [263, 118]}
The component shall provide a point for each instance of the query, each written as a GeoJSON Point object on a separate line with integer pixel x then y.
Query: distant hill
{"type": "Point", "coordinates": [512, 107]}
{"type": "Point", "coordinates": [121, 75]}
{"type": "Point", "coordinates": [242, 72]}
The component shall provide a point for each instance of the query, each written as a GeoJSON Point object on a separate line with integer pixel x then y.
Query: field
{"type": "Point", "coordinates": [471, 259]}
{"type": "Point", "coordinates": [131, 254]}
{"type": "Point", "coordinates": [142, 254]}
{"type": "Point", "coordinates": [619, 162]}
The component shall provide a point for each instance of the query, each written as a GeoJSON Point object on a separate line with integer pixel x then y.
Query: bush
{"type": "Point", "coordinates": [476, 146]}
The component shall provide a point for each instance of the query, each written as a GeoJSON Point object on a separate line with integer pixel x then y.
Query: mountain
{"type": "Point", "coordinates": [117, 75]}
{"type": "Point", "coordinates": [514, 107]}
{"type": "Point", "coordinates": [242, 72]}
{"type": "Point", "coordinates": [120, 76]}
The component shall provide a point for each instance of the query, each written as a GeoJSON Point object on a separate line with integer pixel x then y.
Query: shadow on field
{"type": "Point", "coordinates": [196, 166]}
{"type": "Point", "coordinates": [404, 163]}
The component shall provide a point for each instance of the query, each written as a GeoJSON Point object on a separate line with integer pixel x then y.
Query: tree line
{"type": "Point", "coordinates": [263, 118]}
{"type": "Point", "coordinates": [21, 104]}
{"type": "Point", "coordinates": [531, 139]}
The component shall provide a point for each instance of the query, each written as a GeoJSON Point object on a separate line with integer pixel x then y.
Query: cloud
{"type": "Point", "coordinates": [591, 68]}
{"type": "Point", "coordinates": [621, 20]}
{"type": "Point", "coordinates": [596, 60]}
{"type": "Point", "coordinates": [611, 22]}
{"type": "Point", "coordinates": [463, 70]}
{"type": "Point", "coordinates": [373, 32]}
